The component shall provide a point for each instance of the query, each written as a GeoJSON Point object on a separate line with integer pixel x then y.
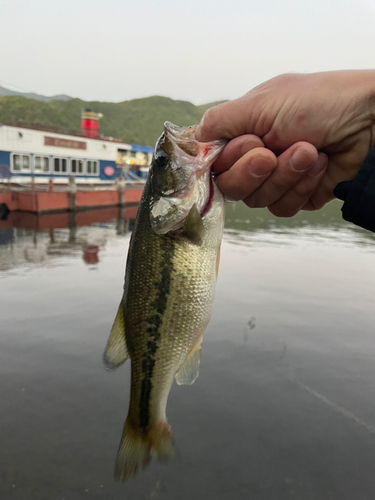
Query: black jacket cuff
{"type": "Point", "coordinates": [359, 195]}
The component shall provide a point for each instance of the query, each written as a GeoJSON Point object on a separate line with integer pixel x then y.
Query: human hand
{"type": "Point", "coordinates": [294, 115]}
{"type": "Point", "coordinates": [248, 171]}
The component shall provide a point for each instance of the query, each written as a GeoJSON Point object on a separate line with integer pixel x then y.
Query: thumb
{"type": "Point", "coordinates": [225, 121]}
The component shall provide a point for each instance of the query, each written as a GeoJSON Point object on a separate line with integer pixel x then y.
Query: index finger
{"type": "Point", "coordinates": [234, 150]}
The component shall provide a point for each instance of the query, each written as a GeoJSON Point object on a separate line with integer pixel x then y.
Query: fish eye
{"type": "Point", "coordinates": [161, 158]}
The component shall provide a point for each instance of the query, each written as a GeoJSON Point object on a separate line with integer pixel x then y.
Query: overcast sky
{"type": "Point", "coordinates": [196, 50]}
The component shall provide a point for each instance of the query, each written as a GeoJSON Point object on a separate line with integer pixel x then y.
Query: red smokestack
{"type": "Point", "coordinates": [90, 123]}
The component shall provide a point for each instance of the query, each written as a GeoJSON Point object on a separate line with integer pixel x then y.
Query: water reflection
{"type": "Point", "coordinates": [283, 407]}
{"type": "Point", "coordinates": [323, 225]}
{"type": "Point", "coordinates": [37, 239]}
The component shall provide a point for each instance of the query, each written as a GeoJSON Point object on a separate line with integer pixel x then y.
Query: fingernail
{"type": "Point", "coordinates": [301, 160]}
{"type": "Point", "coordinates": [260, 166]}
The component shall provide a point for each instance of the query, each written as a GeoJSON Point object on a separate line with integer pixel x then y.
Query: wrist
{"type": "Point", "coordinates": [363, 84]}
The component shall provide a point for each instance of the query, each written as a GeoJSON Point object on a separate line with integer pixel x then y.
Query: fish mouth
{"type": "Point", "coordinates": [203, 155]}
{"type": "Point", "coordinates": [180, 133]}
{"type": "Point", "coordinates": [183, 138]}
{"type": "Point", "coordinates": [190, 162]}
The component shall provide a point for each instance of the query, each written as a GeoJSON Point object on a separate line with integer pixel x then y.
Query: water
{"type": "Point", "coordinates": [284, 407]}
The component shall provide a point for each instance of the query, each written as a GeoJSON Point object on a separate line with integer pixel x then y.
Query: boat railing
{"type": "Point", "coordinates": [132, 178]}
{"type": "Point", "coordinates": [6, 185]}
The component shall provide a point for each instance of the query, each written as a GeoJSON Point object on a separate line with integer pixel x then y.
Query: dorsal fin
{"type": "Point", "coordinates": [116, 351]}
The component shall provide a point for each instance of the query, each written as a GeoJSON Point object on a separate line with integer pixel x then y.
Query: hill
{"type": "Point", "coordinates": [32, 95]}
{"type": "Point", "coordinates": [138, 121]}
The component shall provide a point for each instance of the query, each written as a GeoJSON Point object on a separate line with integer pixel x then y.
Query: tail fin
{"type": "Point", "coordinates": [135, 449]}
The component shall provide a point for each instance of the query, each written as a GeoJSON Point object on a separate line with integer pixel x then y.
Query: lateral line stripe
{"type": "Point", "coordinates": [153, 330]}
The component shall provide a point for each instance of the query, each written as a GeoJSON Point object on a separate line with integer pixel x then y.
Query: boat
{"type": "Point", "coordinates": [37, 154]}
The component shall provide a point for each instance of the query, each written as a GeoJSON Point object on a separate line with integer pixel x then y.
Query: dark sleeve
{"type": "Point", "coordinates": [359, 195]}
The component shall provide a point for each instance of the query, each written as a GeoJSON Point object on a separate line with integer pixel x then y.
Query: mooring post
{"type": "Point", "coordinates": [121, 191]}
{"type": "Point", "coordinates": [72, 191]}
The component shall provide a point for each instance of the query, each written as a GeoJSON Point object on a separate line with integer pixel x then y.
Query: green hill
{"type": "Point", "coordinates": [138, 121]}
{"type": "Point", "coordinates": [33, 95]}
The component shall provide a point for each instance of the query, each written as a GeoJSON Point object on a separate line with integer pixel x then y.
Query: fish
{"type": "Point", "coordinates": [170, 280]}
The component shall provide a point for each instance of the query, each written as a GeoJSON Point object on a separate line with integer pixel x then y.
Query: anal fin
{"type": "Point", "coordinates": [189, 371]}
{"type": "Point", "coordinates": [116, 351]}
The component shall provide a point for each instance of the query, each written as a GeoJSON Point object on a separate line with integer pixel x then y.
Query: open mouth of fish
{"type": "Point", "coordinates": [197, 158]}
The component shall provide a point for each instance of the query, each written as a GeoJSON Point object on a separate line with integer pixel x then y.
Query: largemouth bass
{"type": "Point", "coordinates": [169, 288]}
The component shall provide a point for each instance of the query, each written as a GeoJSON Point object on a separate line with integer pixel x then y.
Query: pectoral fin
{"type": "Point", "coordinates": [217, 261]}
{"type": "Point", "coordinates": [189, 371]}
{"type": "Point", "coordinates": [116, 351]}
{"type": "Point", "coordinates": [193, 226]}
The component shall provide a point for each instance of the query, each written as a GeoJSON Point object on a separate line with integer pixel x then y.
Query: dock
{"type": "Point", "coordinates": [51, 198]}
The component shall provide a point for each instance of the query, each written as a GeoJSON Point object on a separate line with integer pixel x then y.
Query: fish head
{"type": "Point", "coordinates": [180, 177]}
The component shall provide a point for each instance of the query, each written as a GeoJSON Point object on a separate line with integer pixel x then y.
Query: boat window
{"type": "Point", "coordinates": [60, 165]}
{"type": "Point", "coordinates": [92, 167]}
{"type": "Point", "coordinates": [16, 162]}
{"type": "Point", "coordinates": [76, 166]}
{"type": "Point", "coordinates": [20, 163]}
{"type": "Point", "coordinates": [41, 164]}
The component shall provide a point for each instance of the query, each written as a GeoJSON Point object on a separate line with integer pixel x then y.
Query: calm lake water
{"type": "Point", "coordinates": [284, 407]}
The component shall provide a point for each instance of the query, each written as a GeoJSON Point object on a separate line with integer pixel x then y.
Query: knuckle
{"type": "Point", "coordinates": [249, 201]}
{"type": "Point", "coordinates": [309, 207]}
{"type": "Point", "coordinates": [252, 201]}
{"type": "Point", "coordinates": [320, 197]}
{"type": "Point", "coordinates": [286, 78]}
{"type": "Point", "coordinates": [279, 183]}
{"type": "Point", "coordinates": [283, 211]}
{"type": "Point", "coordinates": [272, 140]}
{"type": "Point", "coordinates": [303, 190]}
{"type": "Point", "coordinates": [316, 203]}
